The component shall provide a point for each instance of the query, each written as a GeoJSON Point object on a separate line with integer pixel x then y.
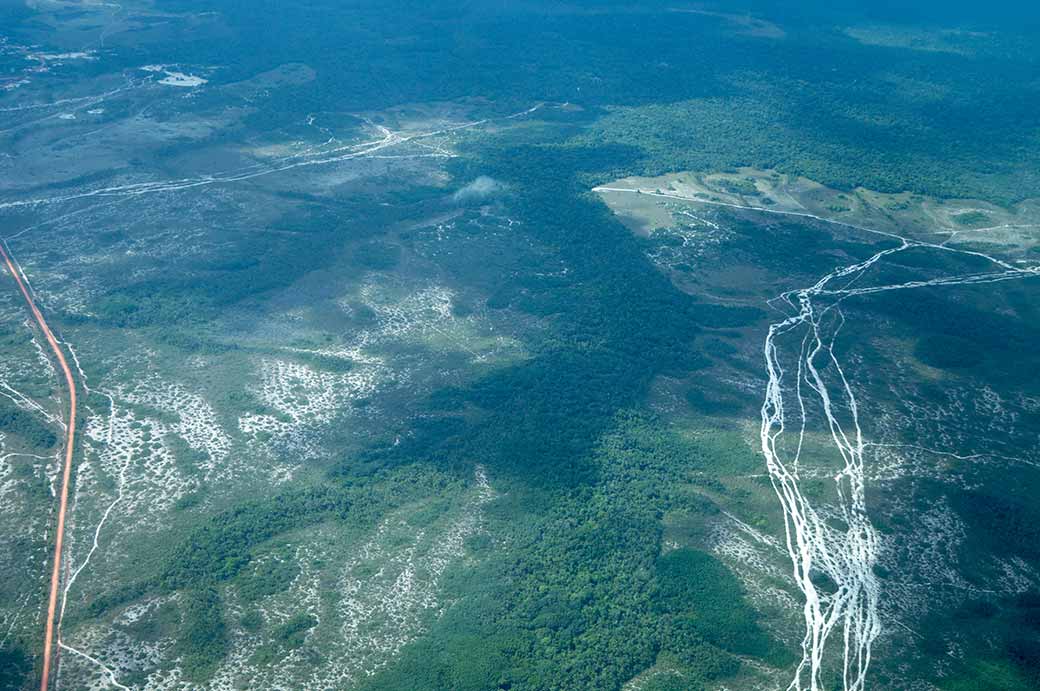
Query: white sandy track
{"type": "Point", "coordinates": [846, 555]}
{"type": "Point", "coordinates": [837, 542]}
{"type": "Point", "coordinates": [322, 156]}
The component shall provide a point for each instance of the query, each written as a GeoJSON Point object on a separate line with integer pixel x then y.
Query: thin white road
{"type": "Point", "coordinates": [368, 149]}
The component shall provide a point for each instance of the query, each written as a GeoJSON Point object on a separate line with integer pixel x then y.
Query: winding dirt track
{"type": "Point", "coordinates": [70, 383]}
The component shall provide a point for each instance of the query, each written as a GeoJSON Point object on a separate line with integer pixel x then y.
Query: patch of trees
{"type": "Point", "coordinates": [1011, 627]}
{"type": "Point", "coordinates": [582, 598]}
{"type": "Point", "coordinates": [703, 602]}
{"type": "Point", "coordinates": [26, 425]}
{"type": "Point", "coordinates": [202, 639]}
{"type": "Point", "coordinates": [222, 547]}
{"type": "Point", "coordinates": [15, 667]}
{"type": "Point", "coordinates": [978, 336]}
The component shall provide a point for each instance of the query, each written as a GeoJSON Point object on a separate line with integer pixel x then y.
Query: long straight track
{"type": "Point", "coordinates": [66, 473]}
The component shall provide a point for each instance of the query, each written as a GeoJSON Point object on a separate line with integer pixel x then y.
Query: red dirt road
{"type": "Point", "coordinates": [70, 383]}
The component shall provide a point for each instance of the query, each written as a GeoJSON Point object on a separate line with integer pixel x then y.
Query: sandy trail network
{"type": "Point", "coordinates": [836, 541]}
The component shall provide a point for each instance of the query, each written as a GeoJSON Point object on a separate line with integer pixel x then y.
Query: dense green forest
{"type": "Point", "coordinates": [26, 425]}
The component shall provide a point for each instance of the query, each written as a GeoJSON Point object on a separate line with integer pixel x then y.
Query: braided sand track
{"type": "Point", "coordinates": [835, 541]}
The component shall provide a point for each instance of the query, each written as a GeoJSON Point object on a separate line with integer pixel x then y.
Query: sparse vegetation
{"type": "Point", "coordinates": [341, 430]}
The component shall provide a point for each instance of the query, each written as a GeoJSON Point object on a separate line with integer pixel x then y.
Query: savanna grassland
{"type": "Point", "coordinates": [466, 346]}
